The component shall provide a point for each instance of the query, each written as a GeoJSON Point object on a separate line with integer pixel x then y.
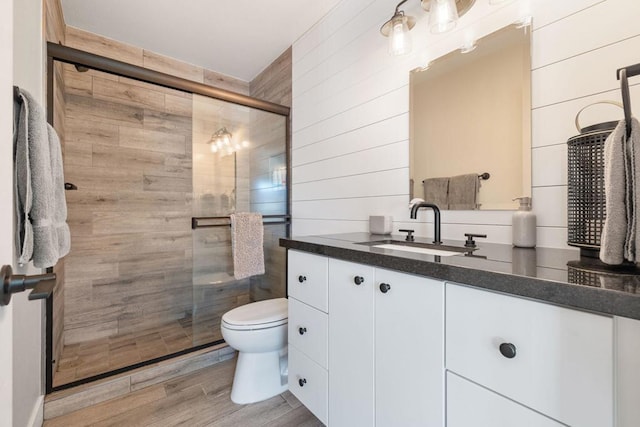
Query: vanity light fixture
{"type": "Point", "coordinates": [443, 16]}
{"type": "Point", "coordinates": [397, 29]}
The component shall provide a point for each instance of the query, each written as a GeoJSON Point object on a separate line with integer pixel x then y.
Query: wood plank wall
{"type": "Point", "coordinates": [55, 32]}
{"type": "Point", "coordinates": [351, 105]}
{"type": "Point", "coordinates": [268, 156]}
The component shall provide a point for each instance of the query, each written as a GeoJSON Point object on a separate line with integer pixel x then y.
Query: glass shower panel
{"type": "Point", "coordinates": [139, 283]}
{"type": "Point", "coordinates": [242, 171]}
{"type": "Point", "coordinates": [128, 293]}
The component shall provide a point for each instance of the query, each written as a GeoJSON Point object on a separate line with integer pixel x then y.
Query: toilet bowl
{"type": "Point", "coordinates": [258, 331]}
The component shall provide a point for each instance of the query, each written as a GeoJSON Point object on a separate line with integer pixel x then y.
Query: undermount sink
{"type": "Point", "coordinates": [417, 247]}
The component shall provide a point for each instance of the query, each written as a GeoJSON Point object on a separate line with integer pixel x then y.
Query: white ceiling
{"type": "Point", "coordinates": [238, 38]}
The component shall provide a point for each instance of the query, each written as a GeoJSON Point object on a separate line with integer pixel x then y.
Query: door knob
{"type": "Point", "coordinates": [42, 284]}
{"type": "Point", "coordinates": [302, 382]}
{"type": "Point", "coordinates": [302, 279]}
{"type": "Point", "coordinates": [358, 280]}
{"type": "Point", "coordinates": [302, 330]}
{"type": "Point", "coordinates": [384, 287]}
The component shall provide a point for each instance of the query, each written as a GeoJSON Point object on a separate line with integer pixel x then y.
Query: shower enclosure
{"type": "Point", "coordinates": [158, 164]}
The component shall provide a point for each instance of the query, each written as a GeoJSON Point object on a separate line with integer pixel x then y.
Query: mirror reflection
{"type": "Point", "coordinates": [471, 125]}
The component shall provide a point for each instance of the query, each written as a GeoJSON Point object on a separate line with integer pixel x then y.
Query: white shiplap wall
{"type": "Point", "coordinates": [351, 101]}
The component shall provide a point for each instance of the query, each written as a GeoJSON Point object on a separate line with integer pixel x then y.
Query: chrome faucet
{"type": "Point", "coordinates": [436, 218]}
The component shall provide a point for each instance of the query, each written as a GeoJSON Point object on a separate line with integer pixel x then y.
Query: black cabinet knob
{"type": "Point", "coordinates": [358, 280]}
{"type": "Point", "coordinates": [302, 279]}
{"type": "Point", "coordinates": [508, 350]}
{"type": "Point", "coordinates": [384, 287]}
{"type": "Point", "coordinates": [302, 382]}
{"type": "Point", "coordinates": [302, 330]}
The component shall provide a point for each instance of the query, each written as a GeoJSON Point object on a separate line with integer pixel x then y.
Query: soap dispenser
{"type": "Point", "coordinates": [524, 225]}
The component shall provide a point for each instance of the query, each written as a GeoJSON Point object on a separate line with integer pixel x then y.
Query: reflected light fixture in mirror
{"type": "Point", "coordinates": [222, 142]}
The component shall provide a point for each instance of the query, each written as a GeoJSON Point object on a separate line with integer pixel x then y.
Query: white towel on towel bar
{"type": "Point", "coordinates": [247, 236]}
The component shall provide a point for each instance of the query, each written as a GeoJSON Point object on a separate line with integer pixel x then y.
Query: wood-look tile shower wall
{"type": "Point", "coordinates": [128, 150]}
{"type": "Point", "coordinates": [272, 84]}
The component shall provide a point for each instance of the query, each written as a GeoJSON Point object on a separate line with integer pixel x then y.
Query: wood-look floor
{"type": "Point", "coordinates": [201, 398]}
{"type": "Point", "coordinates": [89, 358]}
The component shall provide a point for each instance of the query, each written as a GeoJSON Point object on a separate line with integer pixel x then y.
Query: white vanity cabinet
{"type": "Point", "coordinates": [385, 346]}
{"type": "Point", "coordinates": [307, 332]}
{"type": "Point", "coordinates": [556, 361]}
{"type": "Point", "coordinates": [379, 343]}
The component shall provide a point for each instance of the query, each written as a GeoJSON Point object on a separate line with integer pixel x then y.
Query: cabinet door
{"type": "Point", "coordinates": [554, 360]}
{"type": "Point", "coordinates": [409, 355]}
{"type": "Point", "coordinates": [351, 397]}
{"type": "Point", "coordinates": [471, 405]}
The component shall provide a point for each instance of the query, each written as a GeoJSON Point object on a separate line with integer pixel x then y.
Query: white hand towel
{"type": "Point", "coordinates": [617, 177]}
{"type": "Point", "coordinates": [42, 234]}
{"type": "Point", "coordinates": [247, 235]}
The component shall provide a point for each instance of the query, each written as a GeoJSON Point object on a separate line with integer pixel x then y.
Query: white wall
{"type": "Point", "coordinates": [6, 199]}
{"type": "Point", "coordinates": [351, 100]}
{"type": "Point", "coordinates": [28, 72]}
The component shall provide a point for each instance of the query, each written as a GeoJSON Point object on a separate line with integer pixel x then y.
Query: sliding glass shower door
{"type": "Point", "coordinates": [150, 162]}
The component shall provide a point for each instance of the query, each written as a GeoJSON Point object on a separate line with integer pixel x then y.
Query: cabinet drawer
{"type": "Point", "coordinates": [563, 363]}
{"type": "Point", "coordinates": [471, 405]}
{"type": "Point", "coordinates": [309, 383]}
{"type": "Point", "coordinates": [307, 278]}
{"type": "Point", "coordinates": [308, 331]}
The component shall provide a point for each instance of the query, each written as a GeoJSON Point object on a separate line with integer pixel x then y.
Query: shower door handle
{"type": "Point", "coordinates": [42, 284]}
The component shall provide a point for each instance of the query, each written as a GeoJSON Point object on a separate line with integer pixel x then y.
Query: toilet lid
{"type": "Point", "coordinates": [257, 313]}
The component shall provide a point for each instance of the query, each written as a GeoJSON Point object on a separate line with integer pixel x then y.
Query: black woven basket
{"type": "Point", "coordinates": [585, 193]}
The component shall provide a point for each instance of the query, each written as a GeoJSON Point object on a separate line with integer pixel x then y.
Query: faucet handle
{"type": "Point", "coordinates": [409, 237]}
{"type": "Point", "coordinates": [470, 243]}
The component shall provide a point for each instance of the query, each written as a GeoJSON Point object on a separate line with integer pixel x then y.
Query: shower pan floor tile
{"type": "Point", "coordinates": [82, 360]}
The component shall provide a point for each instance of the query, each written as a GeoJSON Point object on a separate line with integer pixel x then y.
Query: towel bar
{"type": "Point", "coordinates": [286, 219]}
{"type": "Point", "coordinates": [42, 284]}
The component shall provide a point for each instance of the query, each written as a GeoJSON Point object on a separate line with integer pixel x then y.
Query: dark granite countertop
{"type": "Point", "coordinates": [558, 276]}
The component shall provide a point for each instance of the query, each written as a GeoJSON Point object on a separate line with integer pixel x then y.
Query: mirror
{"type": "Point", "coordinates": [471, 114]}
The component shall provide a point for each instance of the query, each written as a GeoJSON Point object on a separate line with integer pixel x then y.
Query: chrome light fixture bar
{"type": "Point", "coordinates": [443, 16]}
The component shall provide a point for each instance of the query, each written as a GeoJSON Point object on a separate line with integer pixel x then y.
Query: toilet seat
{"type": "Point", "coordinates": [257, 315]}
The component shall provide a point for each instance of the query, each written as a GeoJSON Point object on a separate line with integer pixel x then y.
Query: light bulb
{"type": "Point", "coordinates": [399, 38]}
{"type": "Point", "coordinates": [443, 16]}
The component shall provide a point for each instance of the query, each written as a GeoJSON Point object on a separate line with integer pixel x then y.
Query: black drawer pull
{"type": "Point", "coordinates": [302, 382]}
{"type": "Point", "coordinates": [385, 287]}
{"type": "Point", "coordinates": [302, 330]}
{"type": "Point", "coordinates": [358, 280]}
{"type": "Point", "coordinates": [508, 350]}
{"type": "Point", "coordinates": [302, 279]}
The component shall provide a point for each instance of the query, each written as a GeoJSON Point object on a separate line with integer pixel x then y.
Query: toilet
{"type": "Point", "coordinates": [258, 331]}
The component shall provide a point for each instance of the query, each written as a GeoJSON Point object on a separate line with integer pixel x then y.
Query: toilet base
{"type": "Point", "coordinates": [259, 376]}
